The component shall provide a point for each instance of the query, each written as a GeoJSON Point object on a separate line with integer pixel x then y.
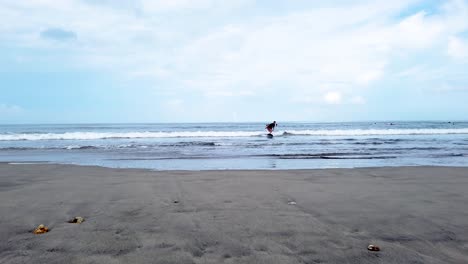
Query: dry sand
{"type": "Point", "coordinates": [415, 215]}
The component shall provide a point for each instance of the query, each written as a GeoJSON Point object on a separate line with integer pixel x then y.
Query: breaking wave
{"type": "Point", "coordinates": [221, 134]}
{"type": "Point", "coordinates": [377, 132]}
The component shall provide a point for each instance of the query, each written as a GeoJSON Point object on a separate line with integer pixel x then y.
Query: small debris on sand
{"type": "Point", "coordinates": [41, 229]}
{"type": "Point", "coordinates": [76, 220]}
{"type": "Point", "coordinates": [373, 248]}
{"type": "Point", "coordinates": [176, 201]}
{"type": "Point", "coordinates": [292, 203]}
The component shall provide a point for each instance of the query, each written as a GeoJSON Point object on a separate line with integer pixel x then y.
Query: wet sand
{"type": "Point", "coordinates": [414, 214]}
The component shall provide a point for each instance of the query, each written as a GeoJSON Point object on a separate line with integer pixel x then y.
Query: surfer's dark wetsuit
{"type": "Point", "coordinates": [271, 126]}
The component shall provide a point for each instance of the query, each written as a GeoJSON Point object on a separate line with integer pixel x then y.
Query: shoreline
{"type": "Point", "coordinates": [221, 170]}
{"type": "Point", "coordinates": [414, 214]}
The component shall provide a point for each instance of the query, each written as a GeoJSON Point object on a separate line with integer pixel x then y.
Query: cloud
{"type": "Point", "coordinates": [175, 102]}
{"type": "Point", "coordinates": [367, 77]}
{"type": "Point", "coordinates": [457, 48]}
{"type": "Point", "coordinates": [297, 53]}
{"type": "Point", "coordinates": [157, 6]}
{"type": "Point", "coordinates": [333, 97]}
{"type": "Point", "coordinates": [58, 34]}
{"type": "Point", "coordinates": [226, 93]}
{"type": "Point", "coordinates": [357, 100]}
{"type": "Point", "coordinates": [309, 50]}
{"type": "Point", "coordinates": [150, 72]}
{"type": "Point", "coordinates": [161, 5]}
{"type": "Point", "coordinates": [418, 31]}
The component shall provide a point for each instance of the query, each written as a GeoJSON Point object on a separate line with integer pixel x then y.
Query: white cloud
{"type": "Point", "coordinates": [162, 5]}
{"type": "Point", "coordinates": [175, 103]}
{"type": "Point", "coordinates": [150, 72]}
{"type": "Point", "coordinates": [311, 52]}
{"type": "Point", "coordinates": [333, 97]}
{"type": "Point", "coordinates": [369, 76]}
{"type": "Point", "coordinates": [303, 99]}
{"type": "Point", "coordinates": [224, 93]}
{"type": "Point", "coordinates": [423, 72]}
{"type": "Point", "coordinates": [457, 48]}
{"type": "Point", "coordinates": [451, 88]}
{"type": "Point", "coordinates": [177, 5]}
{"type": "Point", "coordinates": [411, 72]}
{"type": "Point", "coordinates": [308, 50]}
{"type": "Point", "coordinates": [418, 31]}
{"type": "Point", "coordinates": [358, 100]}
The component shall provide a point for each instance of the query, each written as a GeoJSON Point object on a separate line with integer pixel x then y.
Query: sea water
{"type": "Point", "coordinates": [207, 146]}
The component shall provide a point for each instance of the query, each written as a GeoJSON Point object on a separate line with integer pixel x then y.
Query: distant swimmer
{"type": "Point", "coordinates": [271, 127]}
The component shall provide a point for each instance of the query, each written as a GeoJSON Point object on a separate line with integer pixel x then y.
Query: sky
{"type": "Point", "coordinates": [104, 61]}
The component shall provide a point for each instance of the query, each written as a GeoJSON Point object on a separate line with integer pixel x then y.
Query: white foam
{"type": "Point", "coordinates": [109, 135]}
{"type": "Point", "coordinates": [378, 132]}
{"type": "Point", "coordinates": [209, 134]}
{"type": "Point", "coordinates": [223, 144]}
{"type": "Point", "coordinates": [25, 163]}
{"type": "Point", "coordinates": [73, 147]}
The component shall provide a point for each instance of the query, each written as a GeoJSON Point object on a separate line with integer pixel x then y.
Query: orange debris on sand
{"type": "Point", "coordinates": [41, 229]}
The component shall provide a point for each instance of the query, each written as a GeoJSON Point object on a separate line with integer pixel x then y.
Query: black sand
{"type": "Point", "coordinates": [415, 215]}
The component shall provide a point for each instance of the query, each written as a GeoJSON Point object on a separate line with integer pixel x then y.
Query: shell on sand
{"type": "Point", "coordinates": [373, 248]}
{"type": "Point", "coordinates": [41, 229]}
{"type": "Point", "coordinates": [76, 220]}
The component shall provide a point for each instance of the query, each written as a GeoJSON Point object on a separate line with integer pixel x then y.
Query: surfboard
{"type": "Point", "coordinates": [270, 135]}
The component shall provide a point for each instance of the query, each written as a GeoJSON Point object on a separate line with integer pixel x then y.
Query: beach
{"type": "Point", "coordinates": [233, 132]}
{"type": "Point", "coordinates": [414, 214]}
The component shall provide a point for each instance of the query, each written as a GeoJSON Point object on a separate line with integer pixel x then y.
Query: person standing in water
{"type": "Point", "coordinates": [271, 127]}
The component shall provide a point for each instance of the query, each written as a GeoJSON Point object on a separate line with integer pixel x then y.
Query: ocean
{"type": "Point", "coordinates": [209, 146]}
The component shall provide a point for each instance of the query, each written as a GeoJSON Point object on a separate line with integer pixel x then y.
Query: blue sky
{"type": "Point", "coordinates": [91, 61]}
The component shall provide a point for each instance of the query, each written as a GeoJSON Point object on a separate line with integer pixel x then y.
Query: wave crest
{"type": "Point", "coordinates": [220, 134]}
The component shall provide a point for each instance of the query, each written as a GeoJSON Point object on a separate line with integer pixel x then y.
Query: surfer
{"type": "Point", "coordinates": [271, 127]}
